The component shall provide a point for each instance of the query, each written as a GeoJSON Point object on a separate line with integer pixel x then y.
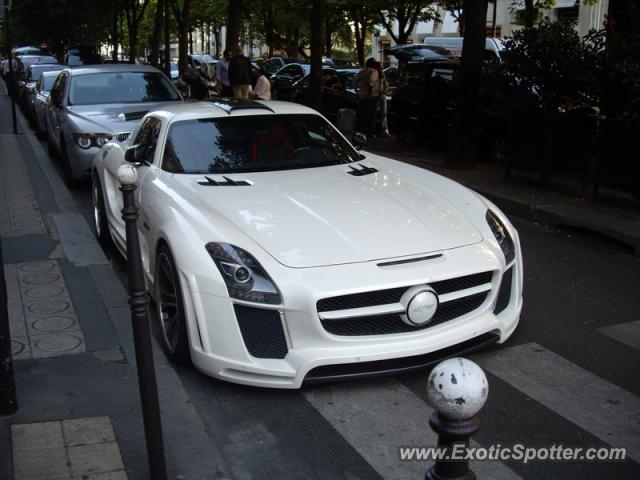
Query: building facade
{"type": "Point", "coordinates": [500, 21]}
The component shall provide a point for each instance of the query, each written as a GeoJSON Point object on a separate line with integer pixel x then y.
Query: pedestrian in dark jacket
{"type": "Point", "coordinates": [240, 74]}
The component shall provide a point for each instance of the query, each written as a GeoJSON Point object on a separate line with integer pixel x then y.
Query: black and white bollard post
{"type": "Point", "coordinates": [457, 389]}
{"type": "Point", "coordinates": [128, 177]}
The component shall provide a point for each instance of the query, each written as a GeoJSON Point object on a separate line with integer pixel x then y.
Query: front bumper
{"type": "Point", "coordinates": [219, 349]}
{"type": "Point", "coordinates": [80, 159]}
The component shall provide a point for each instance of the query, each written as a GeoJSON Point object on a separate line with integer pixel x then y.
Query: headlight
{"type": "Point", "coordinates": [502, 236]}
{"type": "Point", "coordinates": [244, 276]}
{"type": "Point", "coordinates": [88, 140]}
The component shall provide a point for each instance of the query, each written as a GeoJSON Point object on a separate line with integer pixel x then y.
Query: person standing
{"type": "Point", "coordinates": [262, 91]}
{"type": "Point", "coordinates": [240, 74]}
{"type": "Point", "coordinates": [366, 80]}
{"type": "Point", "coordinates": [381, 89]}
{"type": "Point", "coordinates": [222, 74]}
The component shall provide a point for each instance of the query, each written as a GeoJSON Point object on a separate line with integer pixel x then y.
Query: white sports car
{"type": "Point", "coordinates": [277, 254]}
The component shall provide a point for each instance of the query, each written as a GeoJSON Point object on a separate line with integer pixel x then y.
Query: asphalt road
{"type": "Point", "coordinates": [559, 380]}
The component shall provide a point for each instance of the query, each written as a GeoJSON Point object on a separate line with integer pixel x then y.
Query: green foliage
{"type": "Point", "coordinates": [549, 67]}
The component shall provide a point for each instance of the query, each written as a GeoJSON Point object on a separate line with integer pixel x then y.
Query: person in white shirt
{"type": "Point", "coordinates": [262, 90]}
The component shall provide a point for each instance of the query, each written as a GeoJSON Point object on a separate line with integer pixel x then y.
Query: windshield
{"type": "Point", "coordinates": [120, 87]}
{"type": "Point", "coordinates": [48, 80]}
{"type": "Point", "coordinates": [37, 71]}
{"type": "Point", "coordinates": [254, 144]}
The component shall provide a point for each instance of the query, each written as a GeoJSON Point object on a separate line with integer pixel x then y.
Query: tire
{"type": "Point", "coordinates": [100, 225]}
{"type": "Point", "coordinates": [170, 308]}
{"type": "Point", "coordinates": [70, 181]}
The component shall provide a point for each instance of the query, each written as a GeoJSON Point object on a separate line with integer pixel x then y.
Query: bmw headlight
{"type": "Point", "coordinates": [88, 140]}
{"type": "Point", "coordinates": [502, 236]}
{"type": "Point", "coordinates": [244, 276]}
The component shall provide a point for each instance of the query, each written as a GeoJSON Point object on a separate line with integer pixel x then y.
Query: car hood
{"type": "Point", "coordinates": [108, 119]}
{"type": "Point", "coordinates": [326, 216]}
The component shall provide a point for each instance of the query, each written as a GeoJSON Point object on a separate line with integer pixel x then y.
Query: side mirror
{"type": "Point", "coordinates": [359, 140]}
{"type": "Point", "coordinates": [134, 154]}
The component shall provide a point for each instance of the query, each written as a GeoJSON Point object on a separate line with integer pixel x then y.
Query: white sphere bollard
{"type": "Point", "coordinates": [127, 174]}
{"type": "Point", "coordinates": [457, 388]}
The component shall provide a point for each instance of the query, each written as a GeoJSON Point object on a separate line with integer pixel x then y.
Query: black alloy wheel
{"type": "Point", "coordinates": [170, 308]}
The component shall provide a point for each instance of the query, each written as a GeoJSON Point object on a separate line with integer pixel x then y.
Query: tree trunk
{"type": "Point", "coordinates": [318, 14]}
{"type": "Point", "coordinates": [167, 38]}
{"type": "Point", "coordinates": [190, 41]}
{"type": "Point", "coordinates": [530, 14]}
{"type": "Point", "coordinates": [157, 32]}
{"type": "Point", "coordinates": [359, 34]}
{"type": "Point", "coordinates": [464, 134]}
{"type": "Point", "coordinates": [183, 47]}
{"type": "Point", "coordinates": [327, 36]}
{"type": "Point", "coordinates": [236, 10]}
{"type": "Point", "coordinates": [115, 36]}
{"type": "Point", "coordinates": [133, 42]}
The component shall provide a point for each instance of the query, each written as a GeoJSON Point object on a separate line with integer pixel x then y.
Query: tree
{"type": "Point", "coordinates": [364, 16]}
{"type": "Point", "coordinates": [318, 13]}
{"type": "Point", "coordinates": [454, 8]}
{"type": "Point", "coordinates": [406, 13]}
{"type": "Point", "coordinates": [181, 10]}
{"type": "Point", "coordinates": [462, 147]}
{"type": "Point", "coordinates": [134, 12]}
{"type": "Point", "coordinates": [234, 22]}
{"type": "Point", "coordinates": [157, 33]}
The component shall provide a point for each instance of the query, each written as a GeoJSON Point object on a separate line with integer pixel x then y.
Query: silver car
{"type": "Point", "coordinates": [34, 72]}
{"type": "Point", "coordinates": [90, 105]}
{"type": "Point", "coordinates": [41, 100]}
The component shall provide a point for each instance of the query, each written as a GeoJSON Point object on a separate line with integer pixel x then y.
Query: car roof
{"type": "Point", "coordinates": [208, 109]}
{"type": "Point", "coordinates": [110, 67]}
{"type": "Point", "coordinates": [51, 73]}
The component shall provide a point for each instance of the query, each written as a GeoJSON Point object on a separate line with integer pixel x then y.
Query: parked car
{"type": "Point", "coordinates": [22, 66]}
{"type": "Point", "coordinates": [175, 71]}
{"type": "Point", "coordinates": [41, 99]}
{"type": "Point", "coordinates": [277, 254]}
{"type": "Point", "coordinates": [34, 72]}
{"type": "Point", "coordinates": [336, 92]}
{"type": "Point", "coordinates": [82, 55]}
{"type": "Point", "coordinates": [282, 81]}
{"type": "Point", "coordinates": [88, 106]}
{"type": "Point", "coordinates": [29, 50]}
{"type": "Point", "coordinates": [452, 47]}
{"type": "Point", "coordinates": [421, 107]}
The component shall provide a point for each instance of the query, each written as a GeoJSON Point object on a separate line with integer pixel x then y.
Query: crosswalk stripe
{"type": "Point", "coordinates": [378, 417]}
{"type": "Point", "coordinates": [601, 408]}
{"type": "Point", "coordinates": [627, 333]}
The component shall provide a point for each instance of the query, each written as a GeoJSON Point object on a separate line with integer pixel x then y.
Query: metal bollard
{"type": "Point", "coordinates": [457, 389]}
{"type": "Point", "coordinates": [128, 176]}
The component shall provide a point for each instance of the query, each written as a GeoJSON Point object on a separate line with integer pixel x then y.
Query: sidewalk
{"type": "Point", "coordinates": [78, 403]}
{"type": "Point", "coordinates": [560, 204]}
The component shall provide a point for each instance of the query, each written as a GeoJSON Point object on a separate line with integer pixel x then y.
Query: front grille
{"type": "Point", "coordinates": [504, 294]}
{"type": "Point", "coordinates": [386, 324]}
{"type": "Point", "coordinates": [392, 295]}
{"type": "Point", "coordinates": [262, 331]}
{"type": "Point", "coordinates": [122, 136]}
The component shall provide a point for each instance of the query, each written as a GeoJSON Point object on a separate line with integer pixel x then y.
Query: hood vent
{"type": "Point", "coordinates": [363, 170]}
{"type": "Point", "coordinates": [128, 116]}
{"type": "Point", "coordinates": [228, 182]}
